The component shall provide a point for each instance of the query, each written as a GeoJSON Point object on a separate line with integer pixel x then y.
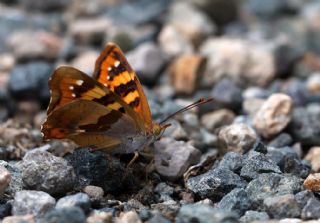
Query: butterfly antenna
{"type": "Point", "coordinates": [194, 104]}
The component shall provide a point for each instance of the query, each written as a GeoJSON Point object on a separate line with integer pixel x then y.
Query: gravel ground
{"type": "Point", "coordinates": [251, 155]}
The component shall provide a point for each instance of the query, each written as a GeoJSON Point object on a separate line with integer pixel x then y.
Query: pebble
{"type": "Point", "coordinates": [16, 183]}
{"type": "Point", "coordinates": [5, 209]}
{"type": "Point", "coordinates": [158, 218]}
{"type": "Point", "coordinates": [251, 216]}
{"type": "Point", "coordinates": [237, 59]}
{"type": "Point", "coordinates": [27, 45]}
{"type": "Point", "coordinates": [5, 179]}
{"type": "Point", "coordinates": [99, 217]}
{"type": "Point", "coordinates": [312, 182]}
{"type": "Point", "coordinates": [168, 208]}
{"type": "Point", "coordinates": [196, 28]}
{"type": "Point", "coordinates": [129, 217]}
{"type": "Point", "coordinates": [80, 200]}
{"type": "Point", "coordinates": [311, 210]}
{"type": "Point", "coordinates": [95, 193]}
{"type": "Point", "coordinates": [89, 30]}
{"type": "Point", "coordinates": [173, 158]}
{"type": "Point", "coordinates": [232, 161]}
{"type": "Point", "coordinates": [274, 115]}
{"type": "Point", "coordinates": [17, 219]}
{"type": "Point", "coordinates": [64, 215]}
{"type": "Point", "coordinates": [51, 5]}
{"type": "Point", "coordinates": [303, 197]}
{"type": "Point", "coordinates": [94, 169]}
{"type": "Point", "coordinates": [202, 213]}
{"type": "Point", "coordinates": [236, 201]}
{"type": "Point", "coordinates": [282, 140]}
{"type": "Point", "coordinates": [237, 138]}
{"type": "Point", "coordinates": [217, 119]}
{"type": "Point", "coordinates": [43, 171]}
{"type": "Point", "coordinates": [30, 80]}
{"type": "Point", "coordinates": [215, 183]}
{"type": "Point", "coordinates": [270, 184]}
{"type": "Point", "coordinates": [256, 163]}
{"type": "Point", "coordinates": [227, 93]}
{"type": "Point", "coordinates": [173, 43]}
{"type": "Point", "coordinates": [283, 206]}
{"type": "Point", "coordinates": [313, 83]}
{"type": "Point", "coordinates": [252, 105]}
{"type": "Point", "coordinates": [185, 72]}
{"type": "Point", "coordinates": [32, 202]}
{"type": "Point", "coordinates": [85, 61]}
{"type": "Point", "coordinates": [313, 156]}
{"type": "Point", "coordinates": [147, 60]}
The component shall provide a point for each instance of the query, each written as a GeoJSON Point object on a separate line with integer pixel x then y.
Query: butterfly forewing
{"type": "Point", "coordinates": [113, 71]}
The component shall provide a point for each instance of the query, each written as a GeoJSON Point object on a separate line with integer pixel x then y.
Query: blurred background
{"type": "Point", "coordinates": [232, 50]}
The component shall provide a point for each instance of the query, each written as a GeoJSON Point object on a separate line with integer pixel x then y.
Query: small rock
{"type": "Point", "coordinates": [260, 147]}
{"type": "Point", "coordinates": [7, 61]}
{"type": "Point", "coordinates": [311, 210]}
{"type": "Point", "coordinates": [241, 61]}
{"type": "Point", "coordinates": [232, 161]}
{"type": "Point", "coordinates": [51, 5]}
{"type": "Point", "coordinates": [303, 197]}
{"type": "Point", "coordinates": [84, 61]}
{"type": "Point", "coordinates": [270, 184]}
{"type": "Point", "coordinates": [5, 209]}
{"type": "Point", "coordinates": [313, 83]}
{"type": "Point", "coordinates": [129, 217]}
{"type": "Point", "coordinates": [133, 205]}
{"type": "Point", "coordinates": [43, 171]}
{"type": "Point", "coordinates": [89, 30]}
{"type": "Point", "coordinates": [80, 200]}
{"type": "Point", "coordinates": [196, 28]}
{"type": "Point", "coordinates": [28, 45]}
{"type": "Point", "coordinates": [227, 92]}
{"type": "Point", "coordinates": [95, 193]}
{"type": "Point", "coordinates": [30, 80]}
{"type": "Point", "coordinates": [305, 125]}
{"type": "Point", "coordinates": [236, 201]}
{"type": "Point", "coordinates": [256, 163]}
{"type": "Point", "coordinates": [282, 140]}
{"type": "Point", "coordinates": [251, 216]}
{"type": "Point", "coordinates": [95, 169]}
{"type": "Point", "coordinates": [215, 183]}
{"type": "Point", "coordinates": [100, 217]}
{"type": "Point", "coordinates": [204, 214]}
{"type": "Point", "coordinates": [164, 190]}
{"type": "Point", "coordinates": [252, 105]}
{"type": "Point", "coordinates": [173, 158]}
{"type": "Point", "coordinates": [185, 72]}
{"type": "Point", "coordinates": [274, 115]}
{"type": "Point", "coordinates": [158, 218]}
{"type": "Point", "coordinates": [19, 219]}
{"type": "Point", "coordinates": [32, 202]}
{"type": "Point", "coordinates": [217, 119]}
{"type": "Point", "coordinates": [147, 60]}
{"type": "Point", "coordinates": [297, 91]}
{"type": "Point", "coordinates": [313, 156]}
{"type": "Point", "coordinates": [5, 178]}
{"type": "Point", "coordinates": [312, 182]}
{"type": "Point", "coordinates": [237, 137]}
{"type": "Point", "coordinates": [173, 43]}
{"type": "Point", "coordinates": [16, 183]}
{"type": "Point", "coordinates": [283, 206]}
{"type": "Point", "coordinates": [168, 208]}
{"type": "Point", "coordinates": [64, 215]}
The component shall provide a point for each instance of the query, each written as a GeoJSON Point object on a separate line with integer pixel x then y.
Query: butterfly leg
{"type": "Point", "coordinates": [135, 157]}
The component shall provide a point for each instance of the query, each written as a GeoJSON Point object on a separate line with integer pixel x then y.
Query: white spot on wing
{"type": "Point", "coordinates": [105, 85]}
{"type": "Point", "coordinates": [109, 68]}
{"type": "Point", "coordinates": [71, 88]}
{"type": "Point", "coordinates": [117, 63]}
{"type": "Point", "coordinates": [108, 77]}
{"type": "Point", "coordinates": [73, 95]}
{"type": "Point", "coordinates": [79, 82]}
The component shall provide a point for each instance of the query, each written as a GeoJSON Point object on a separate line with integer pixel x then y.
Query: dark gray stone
{"type": "Point", "coordinates": [236, 201]}
{"type": "Point", "coordinates": [260, 147]}
{"type": "Point", "coordinates": [311, 210]}
{"type": "Point", "coordinates": [51, 5]}
{"type": "Point", "coordinates": [32, 202]}
{"type": "Point", "coordinates": [271, 9]}
{"type": "Point", "coordinates": [282, 140]}
{"type": "Point", "coordinates": [270, 184]}
{"type": "Point", "coordinates": [303, 197]}
{"type": "Point", "coordinates": [251, 216]}
{"type": "Point", "coordinates": [80, 200]}
{"type": "Point", "coordinates": [256, 163]}
{"type": "Point", "coordinates": [214, 184]}
{"type": "Point", "coordinates": [164, 190]}
{"type": "Point", "coordinates": [231, 161]}
{"type": "Point", "coordinates": [158, 218]}
{"type": "Point", "coordinates": [227, 93]}
{"type": "Point", "coordinates": [202, 213]}
{"type": "Point", "coordinates": [305, 126]}
{"type": "Point", "coordinates": [283, 206]}
{"type": "Point", "coordinates": [5, 209]}
{"type": "Point", "coordinates": [64, 215]}
{"type": "Point", "coordinates": [43, 171]}
{"type": "Point", "coordinates": [297, 90]}
{"type": "Point", "coordinates": [92, 168]}
{"type": "Point", "coordinates": [30, 80]}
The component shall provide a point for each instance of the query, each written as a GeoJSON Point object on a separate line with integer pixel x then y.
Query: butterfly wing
{"type": "Point", "coordinates": [88, 124]}
{"type": "Point", "coordinates": [113, 71]}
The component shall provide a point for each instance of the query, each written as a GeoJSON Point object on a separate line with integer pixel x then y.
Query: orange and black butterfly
{"type": "Point", "coordinates": [109, 111]}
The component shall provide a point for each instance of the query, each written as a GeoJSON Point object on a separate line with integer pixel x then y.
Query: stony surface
{"type": "Point", "coordinates": [5, 178]}
{"type": "Point", "coordinates": [32, 202]}
{"type": "Point", "coordinates": [80, 200]}
{"type": "Point", "coordinates": [43, 171]}
{"type": "Point", "coordinates": [64, 215]}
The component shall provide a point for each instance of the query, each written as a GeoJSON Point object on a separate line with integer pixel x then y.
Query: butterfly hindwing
{"type": "Point", "coordinates": [113, 71]}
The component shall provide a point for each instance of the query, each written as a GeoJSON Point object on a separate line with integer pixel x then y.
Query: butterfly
{"type": "Point", "coordinates": [106, 111]}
